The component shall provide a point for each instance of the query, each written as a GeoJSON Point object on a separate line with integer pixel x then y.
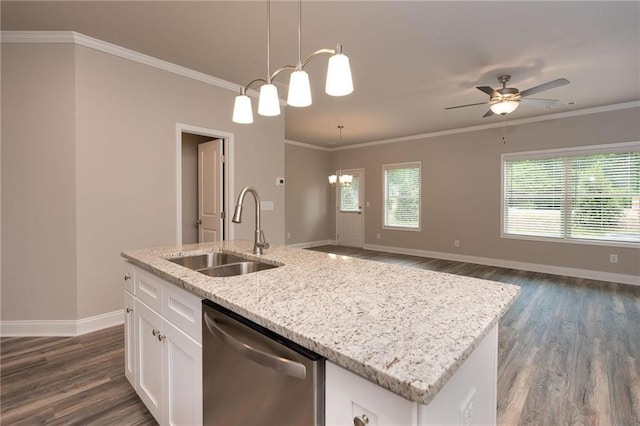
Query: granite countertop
{"type": "Point", "coordinates": [406, 329]}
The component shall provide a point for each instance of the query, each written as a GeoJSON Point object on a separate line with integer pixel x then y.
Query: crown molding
{"type": "Point", "coordinates": [308, 145]}
{"type": "Point", "coordinates": [567, 114]}
{"type": "Point", "coordinates": [71, 37]}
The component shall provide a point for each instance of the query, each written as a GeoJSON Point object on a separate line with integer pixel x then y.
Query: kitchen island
{"type": "Point", "coordinates": [405, 331]}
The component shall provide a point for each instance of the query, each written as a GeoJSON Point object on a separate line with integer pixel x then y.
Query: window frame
{"type": "Point", "coordinates": [612, 148]}
{"type": "Point", "coordinates": [395, 166]}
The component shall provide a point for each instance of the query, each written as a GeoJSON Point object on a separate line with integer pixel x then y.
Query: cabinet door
{"type": "Point", "coordinates": [149, 365]}
{"type": "Point", "coordinates": [183, 377]}
{"type": "Point", "coordinates": [129, 339]}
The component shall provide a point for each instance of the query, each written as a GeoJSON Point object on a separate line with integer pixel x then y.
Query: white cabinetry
{"type": "Point", "coordinates": [468, 398]}
{"type": "Point", "coordinates": [129, 325]}
{"type": "Point", "coordinates": [167, 348]}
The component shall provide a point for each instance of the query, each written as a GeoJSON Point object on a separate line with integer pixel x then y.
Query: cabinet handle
{"type": "Point", "coordinates": [161, 337]}
{"type": "Point", "coordinates": [362, 420]}
{"type": "Point", "coordinates": [129, 310]}
{"type": "Point", "coordinates": [127, 277]}
{"type": "Point", "coordinates": [155, 332]}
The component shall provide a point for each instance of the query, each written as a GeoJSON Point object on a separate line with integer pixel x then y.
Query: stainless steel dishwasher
{"type": "Point", "coordinates": [253, 376]}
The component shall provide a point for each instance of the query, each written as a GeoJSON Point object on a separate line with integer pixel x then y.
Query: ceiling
{"type": "Point", "coordinates": [409, 60]}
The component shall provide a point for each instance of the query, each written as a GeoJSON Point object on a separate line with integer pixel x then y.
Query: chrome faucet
{"type": "Point", "coordinates": [259, 243]}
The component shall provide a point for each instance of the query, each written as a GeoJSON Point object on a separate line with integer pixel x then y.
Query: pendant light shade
{"type": "Point", "coordinates": [299, 89]}
{"type": "Point", "coordinates": [268, 103]}
{"type": "Point", "coordinates": [504, 107]}
{"type": "Point", "coordinates": [242, 112]}
{"type": "Point", "coordinates": [339, 82]}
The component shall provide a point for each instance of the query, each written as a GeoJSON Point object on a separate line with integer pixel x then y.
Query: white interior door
{"type": "Point", "coordinates": [350, 217]}
{"type": "Point", "coordinates": [209, 191]}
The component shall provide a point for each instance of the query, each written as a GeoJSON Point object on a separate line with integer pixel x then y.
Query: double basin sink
{"type": "Point", "coordinates": [221, 264]}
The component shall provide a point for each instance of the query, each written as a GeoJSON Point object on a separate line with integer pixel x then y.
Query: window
{"type": "Point", "coordinates": [587, 194]}
{"type": "Point", "coordinates": [402, 195]}
{"type": "Point", "coordinates": [349, 200]}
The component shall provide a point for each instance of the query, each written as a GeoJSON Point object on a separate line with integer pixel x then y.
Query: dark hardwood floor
{"type": "Point", "coordinates": [68, 381]}
{"type": "Point", "coordinates": [569, 354]}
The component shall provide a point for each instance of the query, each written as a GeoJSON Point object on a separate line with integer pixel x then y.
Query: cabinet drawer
{"type": "Point", "coordinates": [148, 288]}
{"type": "Point", "coordinates": [129, 276]}
{"type": "Point", "coordinates": [183, 309]}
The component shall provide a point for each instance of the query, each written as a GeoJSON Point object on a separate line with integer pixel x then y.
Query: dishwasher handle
{"type": "Point", "coordinates": [282, 365]}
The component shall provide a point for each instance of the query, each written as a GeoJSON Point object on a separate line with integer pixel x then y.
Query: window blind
{"type": "Point", "coordinates": [587, 196]}
{"type": "Point", "coordinates": [402, 195]}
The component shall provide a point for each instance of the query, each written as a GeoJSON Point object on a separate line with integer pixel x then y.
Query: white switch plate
{"type": "Point", "coordinates": [613, 258]}
{"type": "Point", "coordinates": [456, 243]}
{"type": "Point", "coordinates": [266, 205]}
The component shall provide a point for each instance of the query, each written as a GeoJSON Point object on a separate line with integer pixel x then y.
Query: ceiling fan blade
{"type": "Point", "coordinates": [462, 106]}
{"type": "Point", "coordinates": [488, 114]}
{"type": "Point", "coordinates": [536, 101]}
{"type": "Point", "coordinates": [488, 90]}
{"type": "Point", "coordinates": [546, 86]}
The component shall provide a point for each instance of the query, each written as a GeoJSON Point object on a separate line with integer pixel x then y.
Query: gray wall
{"type": "Point", "coordinates": [308, 194]}
{"type": "Point", "coordinates": [461, 190]}
{"type": "Point", "coordinates": [89, 170]}
{"type": "Point", "coordinates": [38, 183]}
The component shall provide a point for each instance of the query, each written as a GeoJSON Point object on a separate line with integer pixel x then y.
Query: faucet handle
{"type": "Point", "coordinates": [261, 241]}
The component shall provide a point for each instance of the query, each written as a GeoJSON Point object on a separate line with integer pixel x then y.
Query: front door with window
{"type": "Point", "coordinates": [350, 217]}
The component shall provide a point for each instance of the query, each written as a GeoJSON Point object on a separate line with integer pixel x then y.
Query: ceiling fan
{"type": "Point", "coordinates": [506, 99]}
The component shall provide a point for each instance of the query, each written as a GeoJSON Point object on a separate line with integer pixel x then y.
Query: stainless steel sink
{"type": "Point", "coordinates": [233, 269]}
{"type": "Point", "coordinates": [221, 264]}
{"type": "Point", "coordinates": [209, 260]}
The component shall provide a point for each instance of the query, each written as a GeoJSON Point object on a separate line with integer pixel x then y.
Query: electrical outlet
{"type": "Point", "coordinates": [266, 205]}
{"type": "Point", "coordinates": [279, 181]}
{"type": "Point", "coordinates": [456, 243]}
{"type": "Point", "coordinates": [378, 235]}
{"type": "Point", "coordinates": [613, 258]}
{"type": "Point", "coordinates": [288, 235]}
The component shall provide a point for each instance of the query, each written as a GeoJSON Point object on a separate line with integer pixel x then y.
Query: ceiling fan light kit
{"type": "Point", "coordinates": [505, 100]}
{"type": "Point", "coordinates": [339, 80]}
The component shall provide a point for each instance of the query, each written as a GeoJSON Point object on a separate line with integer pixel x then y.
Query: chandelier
{"type": "Point", "coordinates": [338, 82]}
{"type": "Point", "coordinates": [341, 179]}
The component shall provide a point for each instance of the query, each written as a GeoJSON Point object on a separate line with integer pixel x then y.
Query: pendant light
{"type": "Point", "coordinates": [269, 103]}
{"type": "Point", "coordinates": [299, 88]}
{"type": "Point", "coordinates": [341, 179]}
{"type": "Point", "coordinates": [339, 80]}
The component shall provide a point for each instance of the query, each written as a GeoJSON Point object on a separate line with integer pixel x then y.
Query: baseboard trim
{"type": "Point", "coordinates": [312, 244]}
{"type": "Point", "coordinates": [60, 328]}
{"type": "Point", "coordinates": [523, 266]}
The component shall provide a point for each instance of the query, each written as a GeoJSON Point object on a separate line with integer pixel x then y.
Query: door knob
{"type": "Point", "coordinates": [199, 222]}
{"type": "Point", "coordinates": [127, 277]}
{"type": "Point", "coordinates": [129, 310]}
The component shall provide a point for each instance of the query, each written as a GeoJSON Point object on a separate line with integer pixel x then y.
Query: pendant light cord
{"type": "Point", "coordinates": [268, 41]}
{"type": "Point", "coordinates": [300, 33]}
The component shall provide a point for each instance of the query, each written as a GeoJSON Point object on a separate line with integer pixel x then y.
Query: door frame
{"type": "Point", "coordinates": [228, 146]}
{"type": "Point", "coordinates": [359, 171]}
